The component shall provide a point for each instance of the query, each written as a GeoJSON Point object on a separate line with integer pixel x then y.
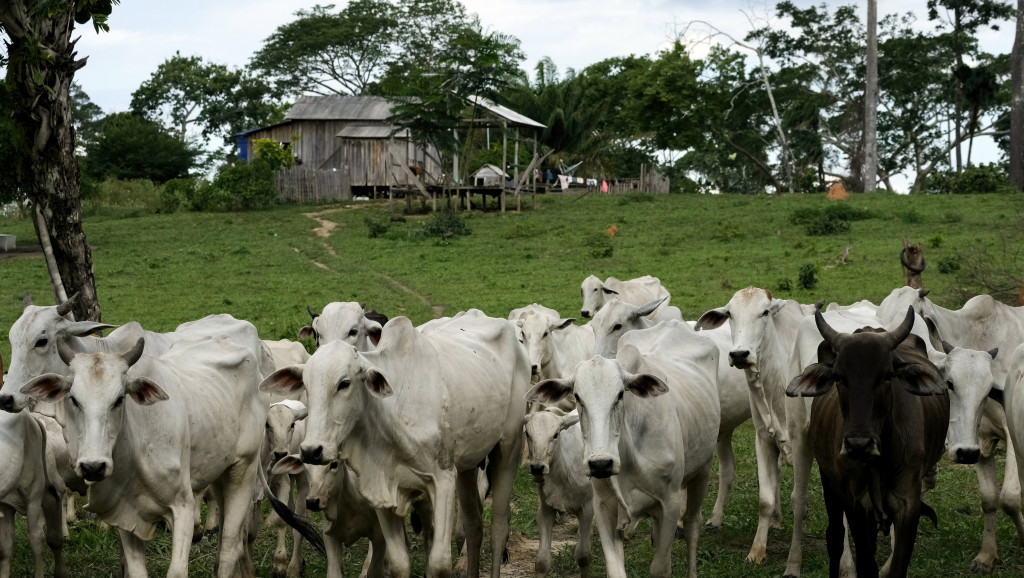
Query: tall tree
{"type": "Point", "coordinates": [88, 115]}
{"type": "Point", "coordinates": [871, 101]}
{"type": "Point", "coordinates": [1017, 103]}
{"type": "Point", "coordinates": [40, 69]}
{"type": "Point", "coordinates": [133, 147]}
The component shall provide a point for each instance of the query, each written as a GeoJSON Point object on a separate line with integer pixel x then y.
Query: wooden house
{"type": "Point", "coordinates": [349, 135]}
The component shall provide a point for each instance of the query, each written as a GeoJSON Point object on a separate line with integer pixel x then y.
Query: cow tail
{"type": "Point", "coordinates": [301, 524]}
{"type": "Point", "coordinates": [929, 513]}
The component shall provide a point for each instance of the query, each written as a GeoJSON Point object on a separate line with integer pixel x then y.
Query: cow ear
{"type": "Point", "coordinates": [712, 319]}
{"type": "Point", "coordinates": [777, 305]}
{"type": "Point", "coordinates": [920, 379]}
{"type": "Point", "coordinates": [649, 308]}
{"type": "Point", "coordinates": [562, 323]}
{"type": "Point", "coordinates": [645, 385]}
{"type": "Point", "coordinates": [299, 413]}
{"type": "Point", "coordinates": [608, 291]}
{"type": "Point", "coordinates": [816, 379]}
{"type": "Point", "coordinates": [996, 393]}
{"type": "Point", "coordinates": [373, 331]}
{"type": "Point", "coordinates": [145, 391]}
{"type": "Point", "coordinates": [84, 328]}
{"type": "Point", "coordinates": [993, 352]}
{"type": "Point", "coordinates": [284, 381]}
{"type": "Point", "coordinates": [377, 383]}
{"type": "Point", "coordinates": [48, 388]}
{"type": "Point", "coordinates": [826, 354]}
{"type": "Point", "coordinates": [306, 332]}
{"type": "Point", "coordinates": [550, 391]}
{"type": "Point", "coordinates": [568, 421]}
{"type": "Point", "coordinates": [288, 465]}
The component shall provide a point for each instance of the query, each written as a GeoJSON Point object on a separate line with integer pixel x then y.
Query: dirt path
{"type": "Point", "coordinates": [522, 551]}
{"type": "Point", "coordinates": [324, 232]}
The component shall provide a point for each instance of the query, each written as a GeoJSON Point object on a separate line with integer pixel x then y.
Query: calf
{"type": "Point", "coordinates": [286, 426]}
{"type": "Point", "coordinates": [348, 322]}
{"type": "Point", "coordinates": [647, 458]}
{"type": "Point", "coordinates": [597, 293]}
{"type": "Point", "coordinates": [555, 445]}
{"type": "Point", "coordinates": [878, 427]}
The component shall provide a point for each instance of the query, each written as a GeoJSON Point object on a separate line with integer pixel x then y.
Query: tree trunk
{"type": "Point", "coordinates": [41, 68]}
{"type": "Point", "coordinates": [1017, 103]}
{"type": "Point", "coordinates": [871, 102]}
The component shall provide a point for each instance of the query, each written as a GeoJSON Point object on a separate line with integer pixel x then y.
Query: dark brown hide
{"type": "Point", "coordinates": [871, 399]}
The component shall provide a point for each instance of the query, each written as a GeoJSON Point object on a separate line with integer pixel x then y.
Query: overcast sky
{"type": "Point", "coordinates": [574, 33]}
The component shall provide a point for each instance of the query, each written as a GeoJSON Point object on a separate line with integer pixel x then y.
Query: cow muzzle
{"type": "Point", "coordinates": [538, 469]}
{"type": "Point", "coordinates": [312, 455]}
{"type": "Point", "coordinates": [313, 504]}
{"type": "Point", "coordinates": [279, 456]}
{"type": "Point", "coordinates": [8, 404]}
{"type": "Point", "coordinates": [585, 313]}
{"type": "Point", "coordinates": [740, 358]}
{"type": "Point", "coordinates": [93, 470]}
{"type": "Point", "coordinates": [602, 467]}
{"type": "Point", "coordinates": [860, 448]}
{"type": "Point", "coordinates": [965, 455]}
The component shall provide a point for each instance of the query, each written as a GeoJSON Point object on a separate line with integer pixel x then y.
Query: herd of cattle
{"type": "Point", "coordinates": [386, 420]}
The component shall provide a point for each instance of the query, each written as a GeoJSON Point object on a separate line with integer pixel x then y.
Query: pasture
{"type": "Point", "coordinates": [267, 266]}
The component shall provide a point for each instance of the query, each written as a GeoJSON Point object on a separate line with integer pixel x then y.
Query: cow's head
{"type": "Point", "coordinates": [339, 383]}
{"type": "Point", "coordinates": [94, 403]}
{"type": "Point", "coordinates": [535, 331]}
{"type": "Point", "coordinates": [33, 347]}
{"type": "Point", "coordinates": [892, 308]}
{"type": "Point", "coordinates": [595, 294]}
{"type": "Point", "coordinates": [542, 429]}
{"type": "Point", "coordinates": [616, 318]}
{"type": "Point", "coordinates": [599, 386]}
{"type": "Point", "coordinates": [968, 375]}
{"type": "Point", "coordinates": [346, 322]}
{"type": "Point", "coordinates": [864, 367]}
{"type": "Point", "coordinates": [749, 313]}
{"type": "Point", "coordinates": [323, 480]}
{"type": "Point", "coordinates": [285, 427]}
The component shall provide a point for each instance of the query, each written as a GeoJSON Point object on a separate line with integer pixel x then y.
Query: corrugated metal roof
{"type": "Point", "coordinates": [506, 113]}
{"type": "Point", "coordinates": [340, 108]}
{"type": "Point", "coordinates": [489, 170]}
{"type": "Point", "coordinates": [371, 131]}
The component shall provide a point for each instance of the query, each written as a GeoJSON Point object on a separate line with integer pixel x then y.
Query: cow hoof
{"type": "Point", "coordinates": [708, 529]}
{"type": "Point", "coordinates": [680, 534]}
{"type": "Point", "coordinates": [790, 576]}
{"type": "Point", "coordinates": [197, 537]}
{"type": "Point", "coordinates": [979, 567]}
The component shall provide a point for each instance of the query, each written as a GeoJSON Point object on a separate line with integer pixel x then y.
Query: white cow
{"type": "Point", "coordinates": [763, 330]}
{"type": "Point", "coordinates": [343, 321]}
{"type": "Point", "coordinates": [618, 317]}
{"type": "Point", "coordinates": [554, 442]}
{"type": "Point", "coordinates": [554, 344]}
{"type": "Point", "coordinates": [286, 426]}
{"type": "Point", "coordinates": [637, 291]}
{"type": "Point", "coordinates": [26, 489]}
{"type": "Point", "coordinates": [647, 457]}
{"type": "Point", "coordinates": [983, 324]}
{"type": "Point", "coordinates": [414, 419]}
{"type": "Point", "coordinates": [194, 420]}
{"type": "Point", "coordinates": [1012, 398]}
{"type": "Point", "coordinates": [286, 352]}
{"type": "Point", "coordinates": [348, 517]}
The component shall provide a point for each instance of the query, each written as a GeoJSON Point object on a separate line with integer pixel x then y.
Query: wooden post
{"type": "Point", "coordinates": [533, 177]}
{"type": "Point", "coordinates": [504, 161]}
{"type": "Point", "coordinates": [515, 179]}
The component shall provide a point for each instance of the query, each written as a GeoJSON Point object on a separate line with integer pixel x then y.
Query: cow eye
{"type": "Point", "coordinates": [765, 314]}
{"type": "Point", "coordinates": [578, 400]}
{"type": "Point", "coordinates": [42, 342]}
{"type": "Point", "coordinates": [617, 327]}
{"type": "Point", "coordinates": [334, 465]}
{"type": "Point", "coordinates": [353, 332]}
{"type": "Point", "coordinates": [74, 402]}
{"type": "Point", "coordinates": [545, 334]}
{"type": "Point", "coordinates": [621, 393]}
{"type": "Point", "coordinates": [119, 402]}
{"type": "Point", "coordinates": [949, 384]}
{"type": "Point", "coordinates": [556, 436]}
{"type": "Point", "coordinates": [343, 384]}
{"type": "Point", "coordinates": [292, 426]}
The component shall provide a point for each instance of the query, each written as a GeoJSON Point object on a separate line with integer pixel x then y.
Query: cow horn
{"type": "Point", "coordinates": [830, 335]}
{"type": "Point", "coordinates": [65, 307]}
{"type": "Point", "coordinates": [922, 293]}
{"type": "Point", "coordinates": [903, 330]}
{"type": "Point", "coordinates": [64, 350]}
{"type": "Point", "coordinates": [311, 313]}
{"type": "Point", "coordinates": [132, 355]}
{"type": "Point", "coordinates": [26, 300]}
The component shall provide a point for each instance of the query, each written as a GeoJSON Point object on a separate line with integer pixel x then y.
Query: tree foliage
{"type": "Point", "coordinates": [133, 147]}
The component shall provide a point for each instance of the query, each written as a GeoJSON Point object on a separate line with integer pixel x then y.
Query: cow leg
{"type": "Point", "coordinates": [439, 558]}
{"type": "Point", "coordinates": [334, 555]}
{"type": "Point", "coordinates": [212, 498]}
{"type": "Point", "coordinates": [726, 475]}
{"type": "Point", "coordinates": [54, 512]}
{"type": "Point", "coordinates": [545, 521]}
{"type": "Point", "coordinates": [586, 531]}
{"type": "Point", "coordinates": [1009, 498]}
{"type": "Point", "coordinates": [606, 511]}
{"type": "Point", "coordinates": [767, 489]}
{"type": "Point", "coordinates": [393, 528]}
{"type": "Point", "coordinates": [376, 555]}
{"type": "Point", "coordinates": [301, 484]}
{"type": "Point", "coordinates": [281, 487]}
{"type": "Point", "coordinates": [802, 460]}
{"type": "Point", "coordinates": [134, 551]}
{"type": "Point", "coordinates": [6, 539]}
{"type": "Point", "coordinates": [905, 519]}
{"type": "Point", "coordinates": [502, 465]}
{"type": "Point", "coordinates": [696, 489]}
{"type": "Point", "coordinates": [835, 534]}
{"type": "Point", "coordinates": [470, 512]}
{"type": "Point", "coordinates": [182, 516]}
{"type": "Point", "coordinates": [236, 496]}
{"type": "Point", "coordinates": [988, 489]}
{"type": "Point", "coordinates": [865, 534]}
{"type": "Point", "coordinates": [70, 516]}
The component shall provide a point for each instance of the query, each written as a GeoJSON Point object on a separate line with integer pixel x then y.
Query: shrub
{"type": "Point", "coordinates": [446, 223]}
{"type": "Point", "coordinates": [807, 278]}
{"type": "Point", "coordinates": [138, 194]}
{"type": "Point", "coordinates": [178, 194]}
{"type": "Point", "coordinates": [827, 225]}
{"type": "Point", "coordinates": [376, 227]}
{"type": "Point", "coordinates": [831, 219]}
{"type": "Point", "coordinates": [246, 185]}
{"type": "Point", "coordinates": [599, 245]}
{"type": "Point", "coordinates": [935, 241]}
{"type": "Point", "coordinates": [948, 265]}
{"type": "Point", "coordinates": [985, 178]}
{"type": "Point", "coordinates": [783, 285]}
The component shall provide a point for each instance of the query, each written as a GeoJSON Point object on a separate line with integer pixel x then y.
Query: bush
{"type": "Point", "coordinates": [935, 241]}
{"type": "Point", "coordinates": [783, 285]}
{"type": "Point", "coordinates": [948, 265]}
{"type": "Point", "coordinates": [827, 225]}
{"type": "Point", "coordinates": [807, 278]}
{"type": "Point", "coordinates": [985, 178]}
{"type": "Point", "coordinates": [376, 227]}
{"type": "Point", "coordinates": [599, 245]}
{"type": "Point", "coordinates": [831, 219]}
{"type": "Point", "coordinates": [178, 194]}
{"type": "Point", "coordinates": [138, 194]}
{"type": "Point", "coordinates": [246, 185]}
{"type": "Point", "coordinates": [446, 223]}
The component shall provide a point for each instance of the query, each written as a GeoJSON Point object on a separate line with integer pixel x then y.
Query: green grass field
{"type": "Point", "coordinates": [266, 266]}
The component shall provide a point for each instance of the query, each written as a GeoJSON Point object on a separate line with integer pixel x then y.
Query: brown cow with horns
{"type": "Point", "coordinates": [876, 436]}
